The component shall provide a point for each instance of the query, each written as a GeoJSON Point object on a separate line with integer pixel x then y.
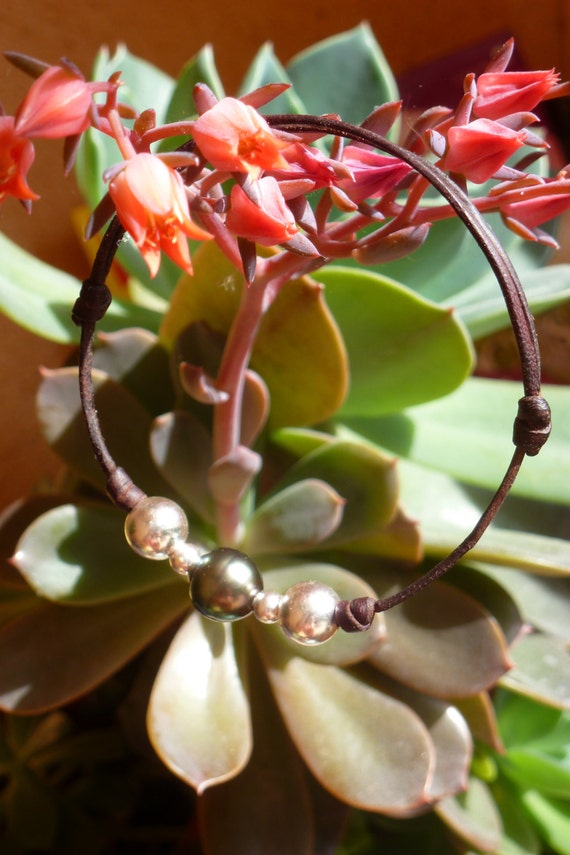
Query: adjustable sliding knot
{"type": "Point", "coordinates": [93, 301]}
{"type": "Point", "coordinates": [532, 425]}
{"type": "Point", "coordinates": [355, 615]}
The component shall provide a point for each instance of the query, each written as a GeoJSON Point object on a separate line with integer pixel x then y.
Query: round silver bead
{"type": "Point", "coordinates": [224, 585]}
{"type": "Point", "coordinates": [184, 557]}
{"type": "Point", "coordinates": [307, 612]}
{"type": "Point", "coordinates": [267, 606]}
{"type": "Point", "coordinates": [154, 526]}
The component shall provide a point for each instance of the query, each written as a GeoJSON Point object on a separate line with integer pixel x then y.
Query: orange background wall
{"type": "Point", "coordinates": [167, 33]}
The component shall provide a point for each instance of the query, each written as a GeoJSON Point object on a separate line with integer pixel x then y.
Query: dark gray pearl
{"type": "Point", "coordinates": [224, 584]}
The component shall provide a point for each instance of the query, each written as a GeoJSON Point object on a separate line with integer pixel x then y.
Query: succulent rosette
{"type": "Point", "coordinates": [367, 451]}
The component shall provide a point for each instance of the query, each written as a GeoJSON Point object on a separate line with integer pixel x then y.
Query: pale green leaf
{"type": "Point", "coordinates": [402, 349]}
{"type": "Point", "coordinates": [181, 448]}
{"type": "Point", "coordinates": [468, 434]}
{"type": "Point", "coordinates": [40, 298]}
{"type": "Point", "coordinates": [544, 602]}
{"type": "Point", "coordinates": [541, 670]}
{"type": "Point", "coordinates": [198, 715]}
{"type": "Point", "coordinates": [552, 817]}
{"type": "Point", "coordinates": [473, 816]}
{"type": "Point", "coordinates": [266, 68]}
{"type": "Point", "coordinates": [365, 479]}
{"type": "Point", "coordinates": [440, 642]}
{"type": "Point", "coordinates": [345, 74]}
{"type": "Point", "coordinates": [78, 555]}
{"type": "Point", "coordinates": [300, 516]}
{"type": "Point", "coordinates": [298, 351]}
{"type": "Point", "coordinates": [333, 718]}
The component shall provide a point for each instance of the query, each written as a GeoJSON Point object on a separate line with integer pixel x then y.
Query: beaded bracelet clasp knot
{"type": "Point", "coordinates": [225, 584]}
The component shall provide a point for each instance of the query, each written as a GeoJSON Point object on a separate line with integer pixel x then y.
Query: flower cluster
{"type": "Point", "coordinates": [242, 182]}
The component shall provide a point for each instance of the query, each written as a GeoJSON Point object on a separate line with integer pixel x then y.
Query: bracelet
{"type": "Point", "coordinates": [225, 584]}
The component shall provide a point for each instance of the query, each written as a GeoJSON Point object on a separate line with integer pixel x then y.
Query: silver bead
{"type": "Point", "coordinates": [184, 557]}
{"type": "Point", "coordinates": [154, 526]}
{"type": "Point", "coordinates": [267, 606]}
{"type": "Point", "coordinates": [224, 585]}
{"type": "Point", "coordinates": [307, 612]}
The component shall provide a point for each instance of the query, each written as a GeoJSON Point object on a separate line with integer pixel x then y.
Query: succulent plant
{"type": "Point", "coordinates": [378, 452]}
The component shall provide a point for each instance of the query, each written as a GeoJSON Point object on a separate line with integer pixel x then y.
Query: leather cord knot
{"type": "Point", "coordinates": [532, 425]}
{"type": "Point", "coordinates": [355, 615]}
{"type": "Point", "coordinates": [93, 301]}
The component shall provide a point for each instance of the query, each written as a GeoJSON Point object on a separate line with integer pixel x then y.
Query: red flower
{"type": "Point", "coordinates": [270, 222]}
{"type": "Point", "coordinates": [57, 105]}
{"type": "Point", "coordinates": [16, 157]}
{"type": "Point", "coordinates": [479, 149]}
{"type": "Point", "coordinates": [500, 94]}
{"type": "Point", "coordinates": [374, 174]}
{"type": "Point", "coordinates": [151, 204]}
{"type": "Point", "coordinates": [533, 210]}
{"type": "Point", "coordinates": [233, 136]}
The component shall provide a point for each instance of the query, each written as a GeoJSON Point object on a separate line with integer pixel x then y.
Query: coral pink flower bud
{"type": "Point", "coordinates": [16, 157]}
{"type": "Point", "coordinates": [233, 136]}
{"type": "Point", "coordinates": [533, 211]}
{"type": "Point", "coordinates": [57, 105]}
{"type": "Point", "coordinates": [500, 94]}
{"type": "Point", "coordinates": [480, 149]}
{"type": "Point", "coordinates": [374, 174]}
{"type": "Point", "coordinates": [152, 206]}
{"type": "Point", "coordinates": [268, 223]}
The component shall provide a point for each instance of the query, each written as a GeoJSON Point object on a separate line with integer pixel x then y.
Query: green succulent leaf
{"type": "Point", "coordinates": [552, 818]}
{"type": "Point", "coordinates": [519, 835]}
{"type": "Point", "coordinates": [181, 448]}
{"type": "Point", "coordinates": [529, 768]}
{"type": "Point", "coordinates": [54, 653]}
{"type": "Point", "coordinates": [78, 555]}
{"type": "Point", "coordinates": [125, 422]}
{"type": "Point", "coordinates": [450, 735]}
{"type": "Point", "coordinates": [544, 601]}
{"type": "Point", "coordinates": [492, 595]}
{"type": "Point", "coordinates": [402, 349]}
{"type": "Point", "coordinates": [468, 434]}
{"type": "Point", "coordinates": [267, 806]}
{"type": "Point", "coordinates": [343, 648]}
{"type": "Point", "coordinates": [39, 298]}
{"type": "Point", "coordinates": [482, 307]}
{"type": "Point", "coordinates": [365, 479]}
{"type": "Point", "coordinates": [447, 511]}
{"type": "Point", "coordinates": [541, 670]}
{"type": "Point", "coordinates": [332, 716]}
{"type": "Point", "coordinates": [298, 351]}
{"type": "Point", "coordinates": [135, 358]}
{"type": "Point", "coordinates": [441, 642]}
{"type": "Point", "coordinates": [200, 69]}
{"type": "Point", "coordinates": [300, 516]}
{"type": "Point", "coordinates": [473, 816]}
{"type": "Point", "coordinates": [264, 69]}
{"type": "Point", "coordinates": [345, 74]}
{"type": "Point", "coordinates": [198, 716]}
{"type": "Point", "coordinates": [527, 723]}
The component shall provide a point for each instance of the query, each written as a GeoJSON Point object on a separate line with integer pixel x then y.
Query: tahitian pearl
{"type": "Point", "coordinates": [224, 585]}
{"type": "Point", "coordinates": [154, 526]}
{"type": "Point", "coordinates": [307, 612]}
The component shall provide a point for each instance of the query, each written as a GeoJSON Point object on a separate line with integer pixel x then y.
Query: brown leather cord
{"type": "Point", "coordinates": [532, 423]}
